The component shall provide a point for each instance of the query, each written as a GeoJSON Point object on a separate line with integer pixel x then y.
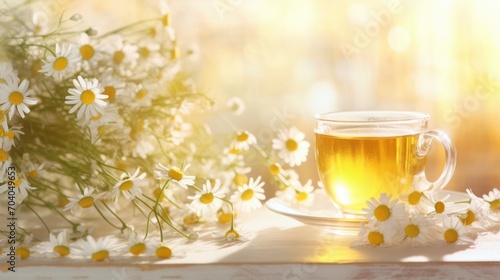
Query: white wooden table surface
{"type": "Point", "coordinates": [279, 247]}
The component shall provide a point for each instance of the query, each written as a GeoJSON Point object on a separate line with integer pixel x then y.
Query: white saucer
{"type": "Point", "coordinates": [321, 212]}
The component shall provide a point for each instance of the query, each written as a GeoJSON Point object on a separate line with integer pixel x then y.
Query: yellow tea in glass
{"type": "Point", "coordinates": [360, 155]}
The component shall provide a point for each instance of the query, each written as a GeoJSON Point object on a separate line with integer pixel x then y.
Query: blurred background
{"type": "Point", "coordinates": [290, 59]}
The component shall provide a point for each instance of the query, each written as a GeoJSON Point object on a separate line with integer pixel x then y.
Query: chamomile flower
{"type": "Point", "coordinates": [149, 54]}
{"type": "Point", "coordinates": [14, 97]}
{"type": "Point", "coordinates": [453, 231]}
{"type": "Point", "coordinates": [297, 193]}
{"type": "Point", "coordinates": [249, 196]}
{"type": "Point", "coordinates": [243, 141]}
{"type": "Point", "coordinates": [66, 58]}
{"type": "Point", "coordinates": [7, 73]}
{"type": "Point", "coordinates": [304, 193]}
{"type": "Point", "coordinates": [5, 158]}
{"type": "Point", "coordinates": [240, 175]}
{"type": "Point", "coordinates": [9, 135]}
{"type": "Point", "coordinates": [440, 205]}
{"type": "Point", "coordinates": [23, 249]}
{"type": "Point", "coordinates": [57, 246]}
{"type": "Point", "coordinates": [477, 213]}
{"type": "Point", "coordinates": [163, 251]}
{"type": "Point", "coordinates": [109, 116]}
{"type": "Point", "coordinates": [123, 55]}
{"type": "Point", "coordinates": [83, 201]}
{"type": "Point", "coordinates": [493, 199]}
{"type": "Point", "coordinates": [98, 249]}
{"type": "Point", "coordinates": [291, 146]}
{"type": "Point", "coordinates": [138, 244]}
{"type": "Point", "coordinates": [21, 187]}
{"type": "Point", "coordinates": [384, 210]}
{"type": "Point", "coordinates": [142, 95]}
{"type": "Point", "coordinates": [113, 86]}
{"type": "Point", "coordinates": [207, 201]}
{"type": "Point", "coordinates": [87, 96]}
{"type": "Point", "coordinates": [235, 106]}
{"type": "Point", "coordinates": [129, 186]}
{"type": "Point", "coordinates": [416, 231]}
{"type": "Point", "coordinates": [373, 236]}
{"type": "Point", "coordinates": [88, 49]}
{"type": "Point", "coordinates": [175, 175]}
{"type": "Point", "coordinates": [418, 198]}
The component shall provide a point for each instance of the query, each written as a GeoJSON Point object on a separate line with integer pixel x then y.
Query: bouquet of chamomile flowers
{"type": "Point", "coordinates": [107, 129]}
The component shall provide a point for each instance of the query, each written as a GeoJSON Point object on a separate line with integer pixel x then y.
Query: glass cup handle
{"type": "Point", "coordinates": [424, 144]}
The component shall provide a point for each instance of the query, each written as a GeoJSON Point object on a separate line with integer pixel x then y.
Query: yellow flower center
{"type": "Point", "coordinates": [63, 201]}
{"type": "Point", "coordinates": [375, 238]}
{"type": "Point", "coordinates": [440, 207]}
{"type": "Point", "coordinates": [87, 52]}
{"type": "Point", "coordinates": [207, 198]}
{"type": "Point", "coordinates": [234, 151]}
{"type": "Point", "coordinates": [159, 194]}
{"type": "Point", "coordinates": [242, 136]}
{"type": "Point", "coordinates": [125, 186]}
{"type": "Point", "coordinates": [232, 235]}
{"type": "Point", "coordinates": [224, 218]}
{"type": "Point", "coordinates": [62, 250]}
{"type": "Point", "coordinates": [291, 145]}
{"type": "Point", "coordinates": [450, 235]}
{"type": "Point", "coordinates": [495, 205]}
{"type": "Point", "coordinates": [138, 249]}
{"type": "Point", "coordinates": [191, 219]}
{"type": "Point", "coordinates": [174, 53]}
{"type": "Point", "coordinates": [144, 52]}
{"type": "Point", "coordinates": [10, 134]}
{"type": "Point", "coordinates": [87, 97]}
{"type": "Point", "coordinates": [247, 195]}
{"type": "Point", "coordinates": [60, 63]}
{"type": "Point", "coordinates": [96, 117]}
{"type": "Point", "coordinates": [100, 255]}
{"type": "Point", "coordinates": [3, 81]}
{"type": "Point", "coordinates": [470, 218]}
{"type": "Point", "coordinates": [274, 169]}
{"type": "Point", "coordinates": [36, 67]}
{"type": "Point", "coordinates": [301, 196]}
{"type": "Point", "coordinates": [412, 230]}
{"type": "Point", "coordinates": [152, 32]}
{"type": "Point", "coordinates": [16, 98]}
{"type": "Point", "coordinates": [24, 253]}
{"type": "Point", "coordinates": [17, 182]}
{"type": "Point", "coordinates": [240, 179]}
{"type": "Point", "coordinates": [118, 57]}
{"type": "Point", "coordinates": [4, 156]}
{"type": "Point", "coordinates": [165, 20]}
{"type": "Point", "coordinates": [414, 197]}
{"type": "Point", "coordinates": [141, 94]}
{"type": "Point", "coordinates": [165, 213]}
{"type": "Point", "coordinates": [175, 173]}
{"type": "Point", "coordinates": [102, 130]}
{"type": "Point", "coordinates": [86, 202]}
{"type": "Point", "coordinates": [163, 252]}
{"type": "Point", "coordinates": [33, 173]}
{"type": "Point", "coordinates": [110, 91]}
{"type": "Point", "coordinates": [382, 213]}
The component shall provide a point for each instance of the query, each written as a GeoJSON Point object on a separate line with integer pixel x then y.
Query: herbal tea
{"type": "Point", "coordinates": [357, 165]}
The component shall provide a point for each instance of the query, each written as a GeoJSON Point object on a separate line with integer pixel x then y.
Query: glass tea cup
{"type": "Point", "coordinates": [361, 154]}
